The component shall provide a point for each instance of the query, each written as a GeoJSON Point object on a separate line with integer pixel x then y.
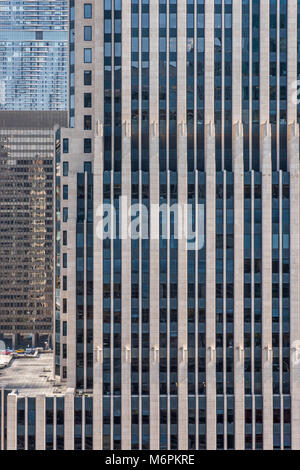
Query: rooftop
{"type": "Point", "coordinates": [31, 376]}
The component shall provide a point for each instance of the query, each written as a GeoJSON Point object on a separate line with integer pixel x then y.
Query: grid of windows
{"type": "Point", "coordinates": [34, 55]}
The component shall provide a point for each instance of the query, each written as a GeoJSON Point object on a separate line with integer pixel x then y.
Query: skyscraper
{"type": "Point", "coordinates": [27, 182]}
{"type": "Point", "coordinates": [184, 102]}
{"type": "Point", "coordinates": [177, 218]}
{"type": "Point", "coordinates": [34, 54]}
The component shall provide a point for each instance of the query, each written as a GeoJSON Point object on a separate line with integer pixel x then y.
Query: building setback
{"type": "Point", "coordinates": [27, 177]}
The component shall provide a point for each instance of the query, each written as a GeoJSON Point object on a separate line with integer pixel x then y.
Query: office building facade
{"type": "Point", "coordinates": [27, 187]}
{"type": "Point", "coordinates": [185, 102]}
{"type": "Point", "coordinates": [34, 53]}
{"type": "Point", "coordinates": [183, 346]}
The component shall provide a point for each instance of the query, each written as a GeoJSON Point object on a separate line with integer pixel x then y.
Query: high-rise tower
{"type": "Point", "coordinates": [27, 182]}
{"type": "Point", "coordinates": [34, 55]}
{"type": "Point", "coordinates": [177, 103]}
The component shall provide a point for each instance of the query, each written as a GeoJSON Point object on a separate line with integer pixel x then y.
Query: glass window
{"type": "Point", "coordinates": [65, 214]}
{"type": "Point", "coordinates": [65, 191]}
{"type": "Point", "coordinates": [65, 238]}
{"type": "Point", "coordinates": [88, 167]}
{"type": "Point", "coordinates": [65, 168]}
{"type": "Point", "coordinates": [87, 100]}
{"type": "Point", "coordinates": [87, 145]}
{"type": "Point", "coordinates": [65, 260]}
{"type": "Point", "coordinates": [88, 10]}
{"type": "Point", "coordinates": [87, 77]}
{"type": "Point", "coordinates": [87, 33]}
{"type": "Point", "coordinates": [65, 145]}
{"type": "Point", "coordinates": [87, 55]}
{"type": "Point", "coordinates": [87, 122]}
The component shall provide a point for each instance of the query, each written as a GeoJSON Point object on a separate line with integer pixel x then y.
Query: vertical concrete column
{"type": "Point", "coordinates": [292, 61]}
{"type": "Point", "coordinates": [266, 169]}
{"type": "Point", "coordinates": [154, 224]}
{"type": "Point", "coordinates": [12, 421]}
{"type": "Point", "coordinates": [239, 397]}
{"type": "Point", "coordinates": [209, 73]}
{"type": "Point", "coordinates": [40, 423]}
{"type": "Point", "coordinates": [238, 169]}
{"type": "Point", "coordinates": [69, 420]}
{"type": "Point", "coordinates": [293, 168]}
{"type": "Point", "coordinates": [85, 282]}
{"type": "Point", "coordinates": [264, 61]}
{"type": "Point", "coordinates": [182, 242]}
{"type": "Point", "coordinates": [2, 418]}
{"type": "Point", "coordinates": [210, 234]}
{"type": "Point", "coordinates": [210, 243]}
{"type": "Point", "coordinates": [71, 277]}
{"type": "Point", "coordinates": [236, 61]}
{"type": "Point", "coordinates": [126, 240]}
{"type": "Point", "coordinates": [266, 195]}
{"type": "Point", "coordinates": [98, 228]}
{"type": "Point", "coordinates": [55, 424]}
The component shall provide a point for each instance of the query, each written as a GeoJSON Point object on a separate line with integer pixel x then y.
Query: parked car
{"type": "Point", "coordinates": [29, 351]}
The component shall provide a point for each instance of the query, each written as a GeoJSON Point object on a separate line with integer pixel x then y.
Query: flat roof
{"type": "Point", "coordinates": [31, 376]}
{"type": "Point", "coordinates": [33, 119]}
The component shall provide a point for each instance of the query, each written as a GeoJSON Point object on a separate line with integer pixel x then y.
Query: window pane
{"type": "Point", "coordinates": [88, 56]}
{"type": "Point", "coordinates": [88, 10]}
{"type": "Point", "coordinates": [87, 77]}
{"type": "Point", "coordinates": [87, 33]}
{"type": "Point", "coordinates": [87, 145]}
{"type": "Point", "coordinates": [87, 100]}
{"type": "Point", "coordinates": [87, 123]}
{"type": "Point", "coordinates": [65, 145]}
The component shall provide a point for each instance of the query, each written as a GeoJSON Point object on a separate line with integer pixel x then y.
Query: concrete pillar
{"type": "Point", "coordinates": [293, 168]}
{"type": "Point", "coordinates": [239, 397]}
{"type": "Point", "coordinates": [182, 242]}
{"type": "Point", "coordinates": [98, 243]}
{"type": "Point", "coordinates": [69, 420]}
{"type": "Point", "coordinates": [126, 240]}
{"type": "Point", "coordinates": [40, 423]}
{"type": "Point", "coordinates": [2, 418]}
{"type": "Point", "coordinates": [12, 421]}
{"type": "Point", "coordinates": [71, 276]}
{"type": "Point", "coordinates": [210, 235]}
{"type": "Point", "coordinates": [210, 242]}
{"type": "Point", "coordinates": [266, 195]}
{"type": "Point", "coordinates": [238, 169]}
{"type": "Point", "coordinates": [266, 169]}
{"type": "Point", "coordinates": [154, 226]}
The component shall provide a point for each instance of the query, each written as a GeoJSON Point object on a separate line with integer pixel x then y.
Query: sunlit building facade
{"type": "Point", "coordinates": [184, 102]}
{"type": "Point", "coordinates": [180, 346]}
